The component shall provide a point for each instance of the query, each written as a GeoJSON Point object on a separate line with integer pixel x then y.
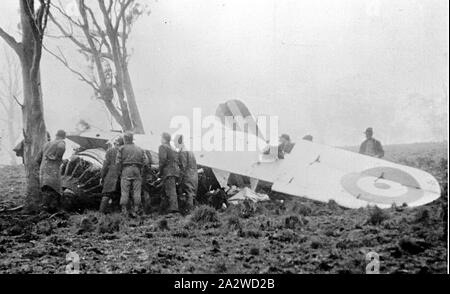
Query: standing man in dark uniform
{"type": "Point", "coordinates": [188, 172]}
{"type": "Point", "coordinates": [50, 160]}
{"type": "Point", "coordinates": [110, 175]}
{"type": "Point", "coordinates": [371, 146]}
{"type": "Point", "coordinates": [169, 171]}
{"type": "Point", "coordinates": [147, 178]}
{"type": "Point", "coordinates": [130, 160]}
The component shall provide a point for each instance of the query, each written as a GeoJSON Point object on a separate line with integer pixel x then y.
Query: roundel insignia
{"type": "Point", "coordinates": [384, 185]}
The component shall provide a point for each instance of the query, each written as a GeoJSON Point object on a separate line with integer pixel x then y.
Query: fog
{"type": "Point", "coordinates": [326, 68]}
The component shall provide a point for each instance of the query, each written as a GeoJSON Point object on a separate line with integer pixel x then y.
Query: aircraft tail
{"type": "Point", "coordinates": [235, 114]}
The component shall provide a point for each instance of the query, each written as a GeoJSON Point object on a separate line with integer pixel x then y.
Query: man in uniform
{"type": "Point", "coordinates": [148, 177]}
{"type": "Point", "coordinates": [110, 175]}
{"type": "Point", "coordinates": [371, 146]}
{"type": "Point", "coordinates": [285, 146]}
{"type": "Point", "coordinates": [188, 172]}
{"type": "Point", "coordinates": [169, 172]}
{"type": "Point", "coordinates": [130, 160]}
{"type": "Point", "coordinates": [50, 160]}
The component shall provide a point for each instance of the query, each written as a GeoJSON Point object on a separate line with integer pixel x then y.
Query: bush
{"type": "Point", "coordinates": [109, 224]}
{"type": "Point", "coordinates": [204, 214]}
{"type": "Point", "coordinates": [422, 216]}
{"type": "Point", "coordinates": [300, 208]}
{"type": "Point", "coordinates": [292, 221]}
{"type": "Point", "coordinates": [247, 209]}
{"type": "Point", "coordinates": [163, 224]}
{"type": "Point", "coordinates": [377, 216]}
{"type": "Point", "coordinates": [234, 223]}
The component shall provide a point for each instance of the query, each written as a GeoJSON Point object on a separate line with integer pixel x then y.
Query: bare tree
{"type": "Point", "coordinates": [100, 34]}
{"type": "Point", "coordinates": [9, 91]}
{"type": "Point", "coordinates": [33, 22]}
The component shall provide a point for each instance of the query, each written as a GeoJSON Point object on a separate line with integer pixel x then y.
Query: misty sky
{"type": "Point", "coordinates": [327, 68]}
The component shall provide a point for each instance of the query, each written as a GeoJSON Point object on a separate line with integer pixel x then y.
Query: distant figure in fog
{"type": "Point", "coordinates": [371, 146]}
{"type": "Point", "coordinates": [50, 160]}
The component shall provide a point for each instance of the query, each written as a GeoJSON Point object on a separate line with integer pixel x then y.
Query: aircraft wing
{"type": "Point", "coordinates": [326, 173]}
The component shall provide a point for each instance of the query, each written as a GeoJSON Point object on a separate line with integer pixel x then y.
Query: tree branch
{"type": "Point", "coordinates": [123, 8]}
{"type": "Point", "coordinates": [63, 60]}
{"type": "Point", "coordinates": [16, 46]}
{"type": "Point", "coordinates": [17, 100]}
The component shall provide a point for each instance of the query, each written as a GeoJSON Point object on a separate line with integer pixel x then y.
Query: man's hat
{"type": "Point", "coordinates": [128, 137]}
{"type": "Point", "coordinates": [119, 141]}
{"type": "Point", "coordinates": [61, 134]}
{"type": "Point", "coordinates": [166, 136]}
{"type": "Point", "coordinates": [368, 130]}
{"type": "Point", "coordinates": [286, 137]}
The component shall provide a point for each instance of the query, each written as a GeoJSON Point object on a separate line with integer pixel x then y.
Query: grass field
{"type": "Point", "coordinates": [296, 236]}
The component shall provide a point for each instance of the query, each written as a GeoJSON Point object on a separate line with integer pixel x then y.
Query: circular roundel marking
{"type": "Point", "coordinates": [384, 185]}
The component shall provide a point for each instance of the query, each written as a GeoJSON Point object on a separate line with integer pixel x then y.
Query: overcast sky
{"type": "Point", "coordinates": [327, 68]}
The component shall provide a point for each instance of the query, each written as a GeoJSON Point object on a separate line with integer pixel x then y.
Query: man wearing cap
{"type": "Point", "coordinates": [188, 172]}
{"type": "Point", "coordinates": [169, 171]}
{"type": "Point", "coordinates": [371, 146]}
{"type": "Point", "coordinates": [49, 160]}
{"type": "Point", "coordinates": [110, 175]}
{"type": "Point", "coordinates": [285, 146]}
{"type": "Point", "coordinates": [130, 160]}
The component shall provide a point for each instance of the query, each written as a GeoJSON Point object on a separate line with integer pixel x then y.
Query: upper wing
{"type": "Point", "coordinates": [322, 173]}
{"type": "Point", "coordinates": [353, 180]}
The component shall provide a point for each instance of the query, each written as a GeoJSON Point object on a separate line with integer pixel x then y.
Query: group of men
{"type": "Point", "coordinates": [129, 165]}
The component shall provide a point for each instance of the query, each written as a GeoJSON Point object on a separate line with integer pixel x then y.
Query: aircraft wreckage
{"type": "Point", "coordinates": [311, 170]}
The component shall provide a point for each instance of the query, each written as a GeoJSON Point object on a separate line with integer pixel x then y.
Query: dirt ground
{"type": "Point", "coordinates": [294, 236]}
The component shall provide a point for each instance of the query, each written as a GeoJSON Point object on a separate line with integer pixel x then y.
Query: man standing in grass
{"type": "Point", "coordinates": [130, 160]}
{"type": "Point", "coordinates": [371, 146]}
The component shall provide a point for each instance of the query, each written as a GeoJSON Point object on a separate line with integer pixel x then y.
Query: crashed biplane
{"type": "Point", "coordinates": [311, 170]}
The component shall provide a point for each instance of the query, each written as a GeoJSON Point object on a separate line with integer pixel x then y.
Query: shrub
{"type": "Point", "coordinates": [234, 223]}
{"type": "Point", "coordinates": [422, 216]}
{"type": "Point", "coordinates": [163, 224]}
{"type": "Point", "coordinates": [377, 216]}
{"type": "Point", "coordinates": [109, 224]}
{"type": "Point", "coordinates": [292, 221]}
{"type": "Point", "coordinates": [204, 214]}
{"type": "Point", "coordinates": [300, 208]}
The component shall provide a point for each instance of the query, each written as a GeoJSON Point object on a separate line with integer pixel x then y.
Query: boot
{"type": "Point", "coordinates": [104, 204]}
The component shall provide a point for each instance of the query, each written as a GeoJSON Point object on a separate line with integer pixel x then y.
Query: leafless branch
{"type": "Point", "coordinates": [61, 58]}
{"type": "Point", "coordinates": [16, 46]}
{"type": "Point", "coordinates": [17, 100]}
{"type": "Point", "coordinates": [123, 8]}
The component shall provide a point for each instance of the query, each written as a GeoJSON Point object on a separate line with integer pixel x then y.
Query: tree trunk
{"type": "Point", "coordinates": [134, 110]}
{"type": "Point", "coordinates": [34, 132]}
{"type": "Point", "coordinates": [29, 51]}
{"type": "Point", "coordinates": [32, 111]}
